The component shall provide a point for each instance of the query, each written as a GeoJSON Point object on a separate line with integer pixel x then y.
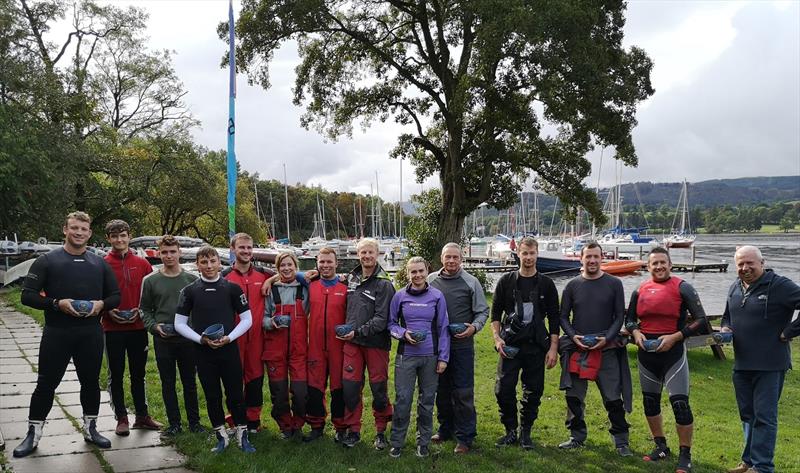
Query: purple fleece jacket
{"type": "Point", "coordinates": [419, 308]}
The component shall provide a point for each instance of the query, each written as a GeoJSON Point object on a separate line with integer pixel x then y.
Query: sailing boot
{"type": "Point", "coordinates": [244, 442]}
{"type": "Point", "coordinates": [91, 435]}
{"type": "Point", "coordinates": [222, 439]}
{"type": "Point", "coordinates": [31, 441]}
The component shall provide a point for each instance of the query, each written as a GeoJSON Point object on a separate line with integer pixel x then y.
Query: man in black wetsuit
{"type": "Point", "coordinates": [658, 310]}
{"type": "Point", "coordinates": [69, 274]}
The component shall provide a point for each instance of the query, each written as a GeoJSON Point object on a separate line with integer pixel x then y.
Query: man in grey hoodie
{"type": "Point", "coordinates": [455, 396]}
{"type": "Point", "coordinates": [759, 312]}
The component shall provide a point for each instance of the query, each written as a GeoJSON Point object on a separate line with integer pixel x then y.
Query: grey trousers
{"type": "Point", "coordinates": [409, 371]}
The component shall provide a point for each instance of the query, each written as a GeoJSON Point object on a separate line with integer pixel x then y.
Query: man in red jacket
{"type": "Point", "coordinates": [327, 302]}
{"type": "Point", "coordinates": [124, 330]}
{"type": "Point", "coordinates": [250, 278]}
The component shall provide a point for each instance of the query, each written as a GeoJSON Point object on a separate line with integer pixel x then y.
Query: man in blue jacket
{"type": "Point", "coordinates": [759, 312]}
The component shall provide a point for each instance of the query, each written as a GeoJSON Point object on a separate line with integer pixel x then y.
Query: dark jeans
{"type": "Point", "coordinates": [531, 364]}
{"type": "Point", "coordinates": [132, 343]}
{"type": "Point", "coordinates": [455, 397]}
{"type": "Point", "coordinates": [221, 365]}
{"type": "Point", "coordinates": [82, 344]}
{"type": "Point", "coordinates": [168, 355]}
{"type": "Point", "coordinates": [757, 394]}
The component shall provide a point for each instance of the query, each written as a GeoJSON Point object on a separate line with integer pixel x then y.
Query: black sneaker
{"type": "Point", "coordinates": [684, 461]}
{"type": "Point", "coordinates": [339, 436]}
{"type": "Point", "coordinates": [197, 428]}
{"type": "Point", "coordinates": [423, 451]}
{"type": "Point", "coordinates": [660, 452]}
{"type": "Point", "coordinates": [510, 438]}
{"type": "Point", "coordinates": [171, 431]}
{"type": "Point", "coordinates": [395, 452]}
{"type": "Point", "coordinates": [624, 451]}
{"type": "Point", "coordinates": [351, 439]}
{"type": "Point", "coordinates": [380, 441]}
{"type": "Point", "coordinates": [313, 435]}
{"type": "Point", "coordinates": [525, 440]}
{"type": "Point", "coordinates": [286, 435]}
{"type": "Point", "coordinates": [570, 444]}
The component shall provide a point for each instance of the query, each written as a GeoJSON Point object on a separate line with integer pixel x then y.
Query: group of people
{"type": "Point", "coordinates": [317, 332]}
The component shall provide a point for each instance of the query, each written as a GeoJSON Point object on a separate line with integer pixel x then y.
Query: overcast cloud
{"type": "Point", "coordinates": [727, 102]}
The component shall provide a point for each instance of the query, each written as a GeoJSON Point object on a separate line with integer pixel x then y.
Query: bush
{"type": "Point", "coordinates": [483, 278]}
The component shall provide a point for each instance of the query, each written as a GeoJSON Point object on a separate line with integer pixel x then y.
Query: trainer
{"type": "Point", "coordinates": [759, 312]}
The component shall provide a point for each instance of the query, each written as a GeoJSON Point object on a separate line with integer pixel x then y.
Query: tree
{"type": "Point", "coordinates": [477, 81]}
{"type": "Point", "coordinates": [423, 242]}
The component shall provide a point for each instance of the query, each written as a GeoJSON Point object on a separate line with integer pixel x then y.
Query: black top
{"type": "Point", "coordinates": [65, 276]}
{"type": "Point", "coordinates": [597, 306]}
{"type": "Point", "coordinates": [510, 297]}
{"type": "Point", "coordinates": [208, 303]}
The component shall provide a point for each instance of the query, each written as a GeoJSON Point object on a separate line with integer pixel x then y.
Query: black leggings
{"type": "Point", "coordinates": [82, 344]}
{"type": "Point", "coordinates": [221, 364]}
{"type": "Point", "coordinates": [132, 343]}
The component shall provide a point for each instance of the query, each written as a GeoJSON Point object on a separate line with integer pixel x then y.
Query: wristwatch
{"type": "Point", "coordinates": [55, 304]}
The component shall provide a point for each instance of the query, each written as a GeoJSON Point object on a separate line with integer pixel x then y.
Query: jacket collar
{"type": "Point", "coordinates": [416, 292]}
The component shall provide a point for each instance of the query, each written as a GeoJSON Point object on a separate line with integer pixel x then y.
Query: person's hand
{"type": "Point", "coordinates": [311, 274]}
{"type": "Point", "coordinates": [578, 341]}
{"type": "Point", "coordinates": [136, 315]}
{"type": "Point", "coordinates": [65, 305]}
{"type": "Point", "coordinates": [639, 338]}
{"type": "Point", "coordinates": [160, 331]}
{"type": "Point", "coordinates": [726, 330]}
{"type": "Point", "coordinates": [205, 341]}
{"type": "Point", "coordinates": [470, 331]}
{"type": "Point", "coordinates": [551, 358]}
{"type": "Point", "coordinates": [347, 337]}
{"type": "Point", "coordinates": [668, 341]}
{"type": "Point", "coordinates": [783, 338]}
{"type": "Point", "coordinates": [97, 307]}
{"type": "Point", "coordinates": [440, 367]}
{"type": "Point", "coordinates": [499, 344]}
{"type": "Point", "coordinates": [408, 338]}
{"type": "Point", "coordinates": [217, 343]}
{"type": "Point", "coordinates": [114, 313]}
{"type": "Point", "coordinates": [601, 342]}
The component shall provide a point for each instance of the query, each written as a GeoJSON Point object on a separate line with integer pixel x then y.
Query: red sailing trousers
{"type": "Point", "coordinates": [376, 361]}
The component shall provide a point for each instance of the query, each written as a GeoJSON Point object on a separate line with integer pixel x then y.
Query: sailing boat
{"type": "Point", "coordinates": [681, 239]}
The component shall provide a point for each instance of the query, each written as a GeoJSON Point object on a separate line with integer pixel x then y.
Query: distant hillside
{"type": "Point", "coordinates": [746, 190]}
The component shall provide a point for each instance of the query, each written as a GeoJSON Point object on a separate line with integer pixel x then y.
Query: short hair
{"type": "Point", "coordinates": [117, 226]}
{"type": "Point", "coordinates": [659, 251]}
{"type": "Point", "coordinates": [327, 250]}
{"type": "Point", "coordinates": [416, 260]}
{"type": "Point", "coordinates": [367, 242]}
{"type": "Point", "coordinates": [530, 242]}
{"type": "Point", "coordinates": [283, 255]}
{"type": "Point", "coordinates": [240, 236]}
{"type": "Point", "coordinates": [167, 240]}
{"type": "Point", "coordinates": [78, 215]}
{"type": "Point", "coordinates": [749, 248]}
{"type": "Point", "coordinates": [207, 251]}
{"type": "Point", "coordinates": [590, 245]}
{"type": "Point", "coordinates": [453, 245]}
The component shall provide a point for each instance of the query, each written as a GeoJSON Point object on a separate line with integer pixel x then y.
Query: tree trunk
{"type": "Point", "coordinates": [451, 218]}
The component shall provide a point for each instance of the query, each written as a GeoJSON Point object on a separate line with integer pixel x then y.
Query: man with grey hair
{"type": "Point", "coordinates": [759, 312]}
{"type": "Point", "coordinates": [455, 396]}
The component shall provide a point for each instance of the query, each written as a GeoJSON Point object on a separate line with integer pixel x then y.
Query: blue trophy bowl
{"type": "Point", "coordinates": [283, 321]}
{"type": "Point", "coordinates": [343, 329]}
{"type": "Point", "coordinates": [590, 340]}
{"type": "Point", "coordinates": [215, 332]}
{"type": "Point", "coordinates": [126, 314]}
{"type": "Point", "coordinates": [419, 335]}
{"type": "Point", "coordinates": [723, 337]}
{"type": "Point", "coordinates": [651, 345]}
{"type": "Point", "coordinates": [82, 307]}
{"type": "Point", "coordinates": [169, 329]}
{"type": "Point", "coordinates": [457, 328]}
{"type": "Point", "coordinates": [510, 351]}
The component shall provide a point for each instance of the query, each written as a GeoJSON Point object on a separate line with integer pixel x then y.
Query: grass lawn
{"type": "Point", "coordinates": [717, 442]}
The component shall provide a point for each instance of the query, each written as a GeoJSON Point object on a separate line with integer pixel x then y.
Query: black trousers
{"type": "Point", "coordinates": [84, 346]}
{"type": "Point", "coordinates": [221, 365]}
{"type": "Point", "coordinates": [179, 353]}
{"type": "Point", "coordinates": [530, 362]}
{"type": "Point", "coordinates": [133, 344]}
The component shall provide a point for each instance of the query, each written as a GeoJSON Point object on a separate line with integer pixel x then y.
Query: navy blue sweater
{"type": "Point", "coordinates": [758, 317]}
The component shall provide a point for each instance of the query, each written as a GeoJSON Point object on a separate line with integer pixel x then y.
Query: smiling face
{"type": "Point", "coordinates": [287, 270]}
{"type": "Point", "coordinates": [326, 264]}
{"type": "Point", "coordinates": [243, 250]}
{"type": "Point", "coordinates": [590, 260]}
{"type": "Point", "coordinates": [368, 256]}
{"type": "Point", "coordinates": [119, 241]}
{"type": "Point", "coordinates": [77, 233]}
{"type": "Point", "coordinates": [659, 266]}
{"type": "Point", "coordinates": [417, 273]}
{"type": "Point", "coordinates": [749, 264]}
{"type": "Point", "coordinates": [451, 260]}
{"type": "Point", "coordinates": [209, 266]}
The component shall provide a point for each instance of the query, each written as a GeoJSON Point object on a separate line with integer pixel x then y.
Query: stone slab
{"type": "Point", "coordinates": [20, 414]}
{"type": "Point", "coordinates": [74, 399]}
{"type": "Point", "coordinates": [136, 439]}
{"type": "Point", "coordinates": [77, 412]}
{"type": "Point", "coordinates": [7, 389]}
{"type": "Point", "coordinates": [151, 458]}
{"type": "Point", "coordinates": [8, 368]}
{"type": "Point", "coordinates": [62, 444]}
{"type": "Point", "coordinates": [18, 430]}
{"type": "Point", "coordinates": [68, 387]}
{"type": "Point", "coordinates": [81, 462]}
{"type": "Point", "coordinates": [170, 470]}
{"type": "Point", "coordinates": [13, 353]}
{"type": "Point", "coordinates": [31, 352]}
{"type": "Point", "coordinates": [15, 400]}
{"type": "Point", "coordinates": [14, 378]}
{"type": "Point", "coordinates": [16, 361]}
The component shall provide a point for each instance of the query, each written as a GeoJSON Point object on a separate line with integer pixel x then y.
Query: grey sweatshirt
{"type": "Point", "coordinates": [465, 300]}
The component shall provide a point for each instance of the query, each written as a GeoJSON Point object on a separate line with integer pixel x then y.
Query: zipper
{"type": "Point", "coordinates": [325, 325]}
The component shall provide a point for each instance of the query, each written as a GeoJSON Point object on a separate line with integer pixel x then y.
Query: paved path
{"type": "Point", "coordinates": [62, 448]}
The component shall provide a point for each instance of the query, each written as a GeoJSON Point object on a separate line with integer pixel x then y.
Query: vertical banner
{"type": "Point", "coordinates": [231, 125]}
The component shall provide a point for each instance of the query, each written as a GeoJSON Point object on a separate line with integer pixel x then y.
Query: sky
{"type": "Point", "coordinates": [727, 100]}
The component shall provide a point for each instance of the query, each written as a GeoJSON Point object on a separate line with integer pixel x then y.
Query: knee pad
{"type": "Point", "coordinates": [682, 410]}
{"type": "Point", "coordinates": [380, 396]}
{"type": "Point", "coordinates": [651, 403]}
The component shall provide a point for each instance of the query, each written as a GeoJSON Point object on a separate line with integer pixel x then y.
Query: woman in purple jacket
{"type": "Point", "coordinates": [418, 319]}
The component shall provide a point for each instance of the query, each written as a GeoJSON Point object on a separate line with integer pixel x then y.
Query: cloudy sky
{"type": "Point", "coordinates": [727, 101]}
